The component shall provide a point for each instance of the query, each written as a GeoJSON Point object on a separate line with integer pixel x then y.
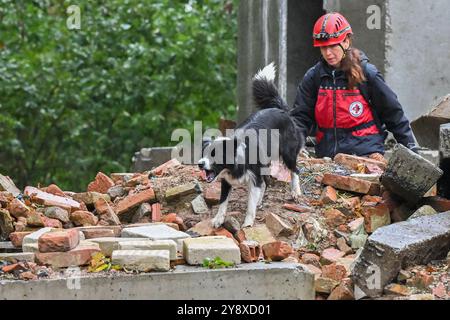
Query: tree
{"type": "Point", "coordinates": [75, 102]}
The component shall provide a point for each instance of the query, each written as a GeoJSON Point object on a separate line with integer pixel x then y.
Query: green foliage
{"type": "Point", "coordinates": [75, 102]}
{"type": "Point", "coordinates": [216, 263]}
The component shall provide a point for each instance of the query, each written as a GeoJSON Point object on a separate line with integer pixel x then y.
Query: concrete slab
{"type": "Point", "coordinates": [145, 244]}
{"type": "Point", "coordinates": [398, 246]}
{"type": "Point", "coordinates": [142, 260]}
{"type": "Point", "coordinates": [108, 245]}
{"type": "Point", "coordinates": [255, 281]}
{"type": "Point", "coordinates": [19, 256]}
{"type": "Point", "coordinates": [198, 249]}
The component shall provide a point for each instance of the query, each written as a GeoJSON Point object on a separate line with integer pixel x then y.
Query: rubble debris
{"type": "Point", "coordinates": [344, 291]}
{"type": "Point", "coordinates": [259, 233]}
{"type": "Point", "coordinates": [398, 177]}
{"type": "Point", "coordinates": [59, 241]}
{"type": "Point", "coordinates": [134, 200]}
{"type": "Point", "coordinates": [101, 184]}
{"type": "Point", "coordinates": [328, 196]}
{"type": "Point", "coordinates": [17, 256]}
{"type": "Point", "coordinates": [277, 226]}
{"type": "Point", "coordinates": [154, 232]}
{"type": "Point", "coordinates": [181, 191]}
{"type": "Point", "coordinates": [406, 243]}
{"type": "Point", "coordinates": [83, 218]}
{"type": "Point", "coordinates": [6, 224]}
{"type": "Point", "coordinates": [79, 256]}
{"type": "Point", "coordinates": [196, 250]}
{"type": "Point", "coordinates": [199, 205]}
{"type": "Point", "coordinates": [355, 162]}
{"type": "Point", "coordinates": [423, 211]}
{"type": "Point", "coordinates": [397, 289]}
{"type": "Point", "coordinates": [376, 216]}
{"type": "Point", "coordinates": [231, 224]}
{"type": "Point", "coordinates": [444, 141]}
{"type": "Point", "coordinates": [49, 199]}
{"type": "Point", "coordinates": [330, 255]}
{"type": "Point", "coordinates": [325, 285]}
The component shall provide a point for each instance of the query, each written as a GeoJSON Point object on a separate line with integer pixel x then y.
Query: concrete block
{"type": "Point", "coordinates": [181, 191]}
{"type": "Point", "coordinates": [169, 245]}
{"type": "Point", "coordinates": [30, 248]}
{"type": "Point", "coordinates": [155, 232]}
{"type": "Point", "coordinates": [198, 249]}
{"type": "Point", "coordinates": [199, 205]}
{"type": "Point", "coordinates": [142, 260]}
{"type": "Point", "coordinates": [108, 245]}
{"type": "Point", "coordinates": [18, 256]}
{"type": "Point", "coordinates": [397, 246]}
{"type": "Point", "coordinates": [288, 281]}
{"type": "Point", "coordinates": [409, 175]}
{"type": "Point", "coordinates": [423, 211]}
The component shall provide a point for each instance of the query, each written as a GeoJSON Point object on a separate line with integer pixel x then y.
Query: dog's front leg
{"type": "Point", "coordinates": [295, 186]}
{"type": "Point", "coordinates": [224, 197]}
{"type": "Point", "coordinates": [261, 197]}
{"type": "Point", "coordinates": [253, 198]}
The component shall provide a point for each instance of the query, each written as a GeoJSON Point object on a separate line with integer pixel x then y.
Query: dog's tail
{"type": "Point", "coordinates": [265, 93]}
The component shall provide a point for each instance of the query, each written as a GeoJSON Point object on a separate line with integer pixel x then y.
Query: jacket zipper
{"type": "Point", "coordinates": [334, 112]}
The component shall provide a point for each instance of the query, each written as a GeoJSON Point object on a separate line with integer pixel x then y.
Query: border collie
{"type": "Point", "coordinates": [240, 159]}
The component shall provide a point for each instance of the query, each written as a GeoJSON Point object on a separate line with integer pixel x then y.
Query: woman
{"type": "Point", "coordinates": [344, 100]}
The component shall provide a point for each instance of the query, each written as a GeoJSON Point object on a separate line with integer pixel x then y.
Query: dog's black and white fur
{"type": "Point", "coordinates": [273, 114]}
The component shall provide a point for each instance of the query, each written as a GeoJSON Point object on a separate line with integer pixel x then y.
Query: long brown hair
{"type": "Point", "coordinates": [351, 65]}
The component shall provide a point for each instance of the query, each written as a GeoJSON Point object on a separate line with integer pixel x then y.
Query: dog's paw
{"type": "Point", "coordinates": [296, 195]}
{"type": "Point", "coordinates": [248, 223]}
{"type": "Point", "coordinates": [217, 222]}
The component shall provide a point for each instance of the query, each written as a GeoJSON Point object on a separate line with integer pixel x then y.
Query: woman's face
{"type": "Point", "coordinates": [334, 54]}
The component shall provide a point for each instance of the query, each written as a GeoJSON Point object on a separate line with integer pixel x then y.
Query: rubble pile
{"type": "Point", "coordinates": [156, 220]}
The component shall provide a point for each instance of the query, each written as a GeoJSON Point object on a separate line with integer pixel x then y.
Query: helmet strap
{"type": "Point", "coordinates": [344, 50]}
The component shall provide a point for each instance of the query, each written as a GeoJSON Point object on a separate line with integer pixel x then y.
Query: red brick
{"type": "Point", "coordinates": [224, 232]}
{"type": "Point", "coordinates": [54, 189]}
{"type": "Point", "coordinates": [440, 291]}
{"type": "Point", "coordinates": [370, 200]}
{"type": "Point", "coordinates": [99, 233]}
{"type": "Point", "coordinates": [344, 291]}
{"type": "Point", "coordinates": [106, 213]}
{"type": "Point", "coordinates": [373, 168]}
{"type": "Point", "coordinates": [343, 246]}
{"type": "Point", "coordinates": [310, 258]}
{"type": "Point", "coordinates": [101, 183]}
{"type": "Point", "coordinates": [296, 208]}
{"type": "Point", "coordinates": [390, 201]}
{"type": "Point", "coordinates": [351, 184]}
{"type": "Point", "coordinates": [421, 280]}
{"type": "Point", "coordinates": [52, 223]}
{"type": "Point", "coordinates": [50, 200]}
{"type": "Point", "coordinates": [212, 194]}
{"type": "Point", "coordinates": [240, 236]}
{"type": "Point", "coordinates": [354, 162]}
{"type": "Point", "coordinates": [349, 206]}
{"type": "Point", "coordinates": [334, 271]}
{"type": "Point", "coordinates": [83, 218]}
{"type": "Point", "coordinates": [334, 217]}
{"type": "Point", "coordinates": [79, 256]}
{"type": "Point", "coordinates": [18, 209]}
{"type": "Point", "coordinates": [165, 167]}
{"type": "Point", "coordinates": [315, 270]}
{"type": "Point", "coordinates": [17, 238]}
{"type": "Point", "coordinates": [328, 196]}
{"type": "Point", "coordinates": [116, 230]}
{"type": "Point", "coordinates": [156, 212]}
{"type": "Point", "coordinates": [250, 251]}
{"type": "Point", "coordinates": [35, 219]}
{"type": "Point", "coordinates": [277, 251]}
{"type": "Point", "coordinates": [135, 200]}
{"type": "Point", "coordinates": [330, 256]}
{"type": "Point", "coordinates": [28, 275]}
{"type": "Point", "coordinates": [313, 161]}
{"type": "Point", "coordinates": [11, 267]}
{"type": "Point", "coordinates": [376, 217]}
{"type": "Point", "coordinates": [59, 241]}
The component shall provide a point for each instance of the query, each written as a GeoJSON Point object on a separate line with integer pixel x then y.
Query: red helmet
{"type": "Point", "coordinates": [331, 29]}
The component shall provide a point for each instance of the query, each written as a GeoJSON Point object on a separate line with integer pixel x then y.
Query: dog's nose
{"type": "Point", "coordinates": [201, 164]}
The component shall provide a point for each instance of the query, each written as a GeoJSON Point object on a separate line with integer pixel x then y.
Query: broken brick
{"type": "Point", "coordinates": [54, 189]}
{"type": "Point", "coordinates": [50, 200]}
{"type": "Point", "coordinates": [212, 194]}
{"type": "Point", "coordinates": [438, 203]}
{"type": "Point", "coordinates": [250, 251]}
{"type": "Point", "coordinates": [351, 184]}
{"type": "Point", "coordinates": [79, 256]}
{"type": "Point", "coordinates": [83, 218]}
{"type": "Point", "coordinates": [343, 246]}
{"type": "Point", "coordinates": [165, 167]}
{"type": "Point", "coordinates": [57, 213]}
{"type": "Point", "coordinates": [99, 233]}
{"type": "Point", "coordinates": [376, 217]}
{"type": "Point", "coordinates": [328, 196]}
{"type": "Point", "coordinates": [277, 226]}
{"type": "Point", "coordinates": [344, 291]}
{"type": "Point", "coordinates": [35, 219]}
{"type": "Point", "coordinates": [203, 228]}
{"type": "Point", "coordinates": [310, 258]}
{"type": "Point", "coordinates": [277, 251]}
{"type": "Point", "coordinates": [334, 271]}
{"type": "Point", "coordinates": [59, 241]}
{"type": "Point", "coordinates": [18, 209]}
{"type": "Point", "coordinates": [325, 285]}
{"type": "Point", "coordinates": [330, 256]}
{"type": "Point", "coordinates": [354, 162]}
{"type": "Point", "coordinates": [397, 289]}
{"type": "Point", "coordinates": [296, 208]}
{"type": "Point", "coordinates": [17, 238]}
{"type": "Point", "coordinates": [181, 191]}
{"type": "Point", "coordinates": [421, 280]}
{"type": "Point", "coordinates": [224, 232]}
{"type": "Point", "coordinates": [101, 183]}
{"type": "Point", "coordinates": [106, 212]}
{"type": "Point", "coordinates": [334, 217]}
{"type": "Point", "coordinates": [52, 223]}
{"type": "Point", "coordinates": [135, 200]}
{"type": "Point", "coordinates": [156, 213]}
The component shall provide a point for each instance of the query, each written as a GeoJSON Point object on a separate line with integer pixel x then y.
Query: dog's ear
{"type": "Point", "coordinates": [206, 141]}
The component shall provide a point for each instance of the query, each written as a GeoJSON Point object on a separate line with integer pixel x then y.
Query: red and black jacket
{"type": "Point", "coordinates": [349, 121]}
